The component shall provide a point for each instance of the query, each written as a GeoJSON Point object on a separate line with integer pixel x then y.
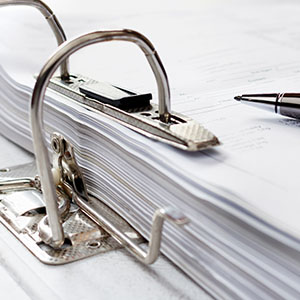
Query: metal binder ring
{"type": "Point", "coordinates": [52, 21]}
{"type": "Point", "coordinates": [61, 54]}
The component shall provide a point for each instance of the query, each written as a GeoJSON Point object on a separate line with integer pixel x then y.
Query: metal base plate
{"type": "Point", "coordinates": [22, 210]}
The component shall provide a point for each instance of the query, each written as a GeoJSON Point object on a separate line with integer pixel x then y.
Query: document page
{"type": "Point", "coordinates": [212, 52]}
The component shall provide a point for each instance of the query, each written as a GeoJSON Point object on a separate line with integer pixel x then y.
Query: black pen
{"type": "Point", "coordinates": [286, 104]}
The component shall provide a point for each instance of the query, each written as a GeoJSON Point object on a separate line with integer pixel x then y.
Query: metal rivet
{"type": "Point", "coordinates": [93, 244]}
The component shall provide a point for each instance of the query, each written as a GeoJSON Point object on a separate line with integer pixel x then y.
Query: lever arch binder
{"type": "Point", "coordinates": [60, 222]}
{"type": "Point", "coordinates": [242, 238]}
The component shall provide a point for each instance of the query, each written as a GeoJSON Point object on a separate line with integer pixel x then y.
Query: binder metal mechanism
{"type": "Point", "coordinates": [135, 110]}
{"type": "Point", "coordinates": [88, 226]}
{"type": "Point", "coordinates": [47, 206]}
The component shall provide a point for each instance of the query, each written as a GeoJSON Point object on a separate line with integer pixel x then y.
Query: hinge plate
{"type": "Point", "coordinates": [22, 209]}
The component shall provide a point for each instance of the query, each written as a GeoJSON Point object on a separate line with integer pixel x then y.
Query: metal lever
{"type": "Point", "coordinates": [52, 21]}
{"type": "Point", "coordinates": [72, 183]}
{"type": "Point", "coordinates": [93, 210]}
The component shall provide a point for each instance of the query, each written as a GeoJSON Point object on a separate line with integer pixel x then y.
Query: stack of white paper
{"type": "Point", "coordinates": [243, 240]}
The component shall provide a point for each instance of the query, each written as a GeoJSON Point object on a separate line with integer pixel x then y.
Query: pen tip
{"type": "Point", "coordinates": [238, 98]}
